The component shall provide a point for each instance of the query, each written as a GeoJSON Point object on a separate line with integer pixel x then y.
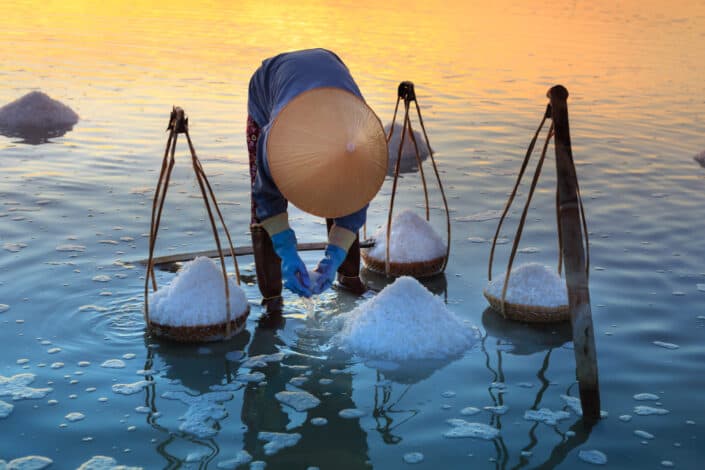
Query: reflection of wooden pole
{"type": "Point", "coordinates": [574, 258]}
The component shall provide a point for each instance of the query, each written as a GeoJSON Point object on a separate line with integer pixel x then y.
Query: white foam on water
{"type": "Point", "coordinates": [531, 284]}
{"type": "Point", "coordinates": [277, 441]}
{"type": "Point", "coordinates": [17, 387]}
{"type": "Point", "coordinates": [101, 462]}
{"type": "Point", "coordinates": [75, 416]}
{"type": "Point", "coordinates": [113, 364]}
{"type": "Point", "coordinates": [203, 413]}
{"type": "Point", "coordinates": [496, 410]}
{"type": "Point", "coordinates": [404, 321]}
{"type": "Point", "coordinates": [469, 411]}
{"type": "Point", "coordinates": [31, 462]}
{"type": "Point", "coordinates": [412, 240]}
{"type": "Point", "coordinates": [242, 458]}
{"type": "Point", "coordinates": [594, 457]}
{"type": "Point", "coordinates": [643, 434]}
{"type": "Point", "coordinates": [196, 296]}
{"type": "Point", "coordinates": [649, 411]}
{"type": "Point", "coordinates": [666, 345]}
{"type": "Point", "coordinates": [413, 457]}
{"type": "Point", "coordinates": [646, 396]}
{"type": "Point", "coordinates": [5, 409]}
{"type": "Point", "coordinates": [251, 377]}
{"type": "Point", "coordinates": [351, 413]}
{"type": "Point", "coordinates": [480, 216]}
{"type": "Point", "coordinates": [257, 361]}
{"type": "Point", "coordinates": [71, 248]}
{"type": "Point", "coordinates": [38, 111]}
{"type": "Point", "coordinates": [465, 429]}
{"type": "Point", "coordinates": [130, 389]}
{"type": "Point", "coordinates": [546, 416]}
{"type": "Point", "coordinates": [300, 401]}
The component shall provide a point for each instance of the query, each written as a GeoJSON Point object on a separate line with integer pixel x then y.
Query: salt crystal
{"type": "Point", "coordinates": [31, 462]}
{"type": "Point", "coordinates": [413, 457]}
{"type": "Point", "coordinates": [300, 401]}
{"type": "Point", "coordinates": [277, 441]}
{"type": "Point", "coordinates": [196, 297]}
{"type": "Point", "coordinates": [625, 418]}
{"type": "Point", "coordinates": [594, 457]}
{"type": "Point", "coordinates": [75, 416]}
{"type": "Point", "coordinates": [4, 308]}
{"type": "Point", "coordinates": [37, 111]}
{"type": "Point", "coordinates": [649, 410]}
{"type": "Point", "coordinates": [102, 278]}
{"type": "Point", "coordinates": [469, 411]}
{"type": "Point", "coordinates": [412, 240]}
{"type": "Point", "coordinates": [243, 457]}
{"type": "Point", "coordinates": [666, 345]}
{"type": "Point", "coordinates": [130, 389]}
{"type": "Point", "coordinates": [645, 396]}
{"type": "Point", "coordinates": [5, 409]}
{"type": "Point", "coordinates": [497, 410]}
{"type": "Point", "coordinates": [351, 413]}
{"type": "Point", "coordinates": [204, 412]}
{"type": "Point", "coordinates": [319, 421]}
{"type": "Point", "coordinates": [643, 434]}
{"type": "Point", "coordinates": [113, 364]}
{"type": "Point", "coordinates": [403, 322]}
{"type": "Point", "coordinates": [17, 387]}
{"type": "Point", "coordinates": [251, 377]}
{"type": "Point", "coordinates": [463, 429]}
{"type": "Point", "coordinates": [531, 284]}
{"type": "Point", "coordinates": [546, 416]}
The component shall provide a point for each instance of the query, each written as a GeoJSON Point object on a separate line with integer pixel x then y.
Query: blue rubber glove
{"type": "Point", "coordinates": [294, 271]}
{"type": "Point", "coordinates": [327, 268]}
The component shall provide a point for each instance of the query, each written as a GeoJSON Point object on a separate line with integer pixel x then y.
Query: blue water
{"type": "Point", "coordinates": [637, 119]}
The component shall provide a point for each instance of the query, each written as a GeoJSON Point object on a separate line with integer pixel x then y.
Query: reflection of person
{"type": "Point", "coordinates": [312, 140]}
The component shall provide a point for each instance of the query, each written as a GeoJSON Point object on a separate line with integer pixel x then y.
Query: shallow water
{"type": "Point", "coordinates": [74, 212]}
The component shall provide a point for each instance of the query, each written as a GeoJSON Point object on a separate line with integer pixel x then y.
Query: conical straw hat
{"type": "Point", "coordinates": [327, 152]}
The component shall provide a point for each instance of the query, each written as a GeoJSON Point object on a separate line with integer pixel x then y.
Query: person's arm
{"type": "Point", "coordinates": [340, 237]}
{"type": "Point", "coordinates": [294, 273]}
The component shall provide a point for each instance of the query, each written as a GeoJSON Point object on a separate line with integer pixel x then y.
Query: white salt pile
{"type": "Point", "coordinates": [404, 321]}
{"type": "Point", "coordinates": [412, 240]}
{"type": "Point", "coordinates": [196, 297]}
{"type": "Point", "coordinates": [408, 153]}
{"type": "Point", "coordinates": [36, 110]}
{"type": "Point", "coordinates": [531, 284]}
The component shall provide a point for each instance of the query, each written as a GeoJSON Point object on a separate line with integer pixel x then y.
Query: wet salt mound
{"type": "Point", "coordinates": [408, 162]}
{"type": "Point", "coordinates": [404, 321]}
{"type": "Point", "coordinates": [412, 240]}
{"type": "Point", "coordinates": [36, 115]}
{"type": "Point", "coordinates": [531, 284]}
{"type": "Point", "coordinates": [196, 297]}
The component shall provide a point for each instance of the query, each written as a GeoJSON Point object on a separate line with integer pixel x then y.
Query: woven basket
{"type": "Point", "coordinates": [200, 333]}
{"type": "Point", "coordinates": [416, 269]}
{"type": "Point", "coordinates": [528, 313]}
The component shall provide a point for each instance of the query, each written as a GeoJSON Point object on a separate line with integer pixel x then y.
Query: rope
{"type": "Point", "coordinates": [529, 151]}
{"type": "Point", "coordinates": [387, 264]}
{"type": "Point", "coordinates": [517, 237]}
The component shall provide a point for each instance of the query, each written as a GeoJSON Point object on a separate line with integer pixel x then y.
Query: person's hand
{"type": "Point", "coordinates": [294, 271]}
{"type": "Point", "coordinates": [327, 267]}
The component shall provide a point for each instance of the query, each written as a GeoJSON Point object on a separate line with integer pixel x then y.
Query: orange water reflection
{"type": "Point", "coordinates": [454, 47]}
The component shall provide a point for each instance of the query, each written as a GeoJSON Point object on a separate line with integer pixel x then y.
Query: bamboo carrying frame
{"type": "Point", "coordinates": [416, 269]}
{"type": "Point", "coordinates": [178, 124]}
{"type": "Point", "coordinates": [522, 312]}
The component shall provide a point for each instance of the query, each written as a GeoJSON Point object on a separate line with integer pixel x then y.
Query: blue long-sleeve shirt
{"type": "Point", "coordinates": [275, 83]}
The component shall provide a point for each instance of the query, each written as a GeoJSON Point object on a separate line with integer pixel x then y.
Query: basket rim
{"type": "Point", "coordinates": [526, 312]}
{"type": "Point", "coordinates": [425, 268]}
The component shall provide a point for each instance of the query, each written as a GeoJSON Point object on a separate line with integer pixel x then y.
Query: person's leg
{"type": "Point", "coordinates": [349, 271]}
{"type": "Point", "coordinates": [267, 263]}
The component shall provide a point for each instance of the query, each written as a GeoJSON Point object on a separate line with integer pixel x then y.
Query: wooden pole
{"type": "Point", "coordinates": [574, 255]}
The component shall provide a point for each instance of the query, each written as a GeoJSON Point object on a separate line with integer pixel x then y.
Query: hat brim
{"type": "Point", "coordinates": [327, 152]}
